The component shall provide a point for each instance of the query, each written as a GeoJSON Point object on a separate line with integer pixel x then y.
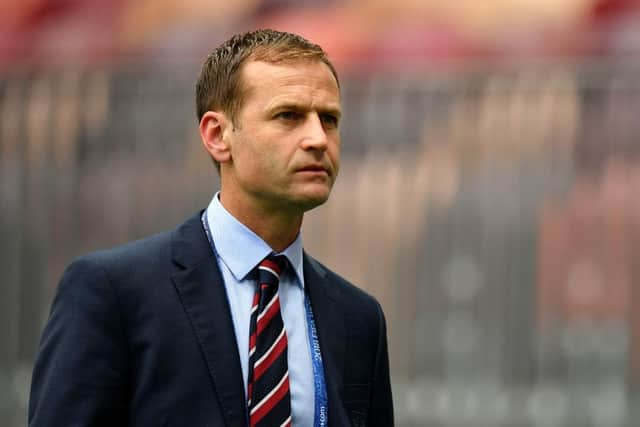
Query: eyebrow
{"type": "Point", "coordinates": [289, 105]}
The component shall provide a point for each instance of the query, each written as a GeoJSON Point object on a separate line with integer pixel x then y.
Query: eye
{"type": "Point", "coordinates": [329, 120]}
{"type": "Point", "coordinates": [288, 115]}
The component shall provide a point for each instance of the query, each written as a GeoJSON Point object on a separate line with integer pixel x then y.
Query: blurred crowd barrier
{"type": "Point", "coordinates": [492, 211]}
{"type": "Point", "coordinates": [371, 34]}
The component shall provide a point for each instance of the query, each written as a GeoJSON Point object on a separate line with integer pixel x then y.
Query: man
{"type": "Point", "coordinates": [224, 321]}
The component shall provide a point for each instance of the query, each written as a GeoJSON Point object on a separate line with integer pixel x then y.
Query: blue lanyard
{"type": "Point", "coordinates": [321, 416]}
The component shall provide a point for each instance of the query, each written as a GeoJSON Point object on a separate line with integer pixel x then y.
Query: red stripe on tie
{"type": "Point", "coordinates": [254, 306]}
{"type": "Point", "coordinates": [272, 265]}
{"type": "Point", "coordinates": [271, 403]}
{"type": "Point", "coordinates": [277, 350]}
{"type": "Point", "coordinates": [268, 315]}
{"type": "Point", "coordinates": [252, 343]}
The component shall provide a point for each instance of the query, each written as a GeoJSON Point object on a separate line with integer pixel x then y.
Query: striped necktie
{"type": "Point", "coordinates": [269, 401]}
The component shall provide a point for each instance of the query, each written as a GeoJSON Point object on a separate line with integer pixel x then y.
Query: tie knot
{"type": "Point", "coordinates": [271, 268]}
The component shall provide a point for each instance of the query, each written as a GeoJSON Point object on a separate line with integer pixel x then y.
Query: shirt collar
{"type": "Point", "coordinates": [241, 249]}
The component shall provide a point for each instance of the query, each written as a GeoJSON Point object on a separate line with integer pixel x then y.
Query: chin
{"type": "Point", "coordinates": [310, 201]}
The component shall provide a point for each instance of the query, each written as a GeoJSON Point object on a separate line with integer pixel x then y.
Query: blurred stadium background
{"type": "Point", "coordinates": [491, 156]}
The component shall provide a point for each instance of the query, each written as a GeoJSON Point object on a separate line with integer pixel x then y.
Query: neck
{"type": "Point", "coordinates": [276, 226]}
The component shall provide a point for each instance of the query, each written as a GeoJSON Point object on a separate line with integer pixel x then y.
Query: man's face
{"type": "Point", "coordinates": [285, 149]}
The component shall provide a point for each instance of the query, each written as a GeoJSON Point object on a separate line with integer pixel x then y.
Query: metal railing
{"type": "Point", "coordinates": [492, 212]}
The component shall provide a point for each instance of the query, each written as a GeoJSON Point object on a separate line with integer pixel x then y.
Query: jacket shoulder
{"type": "Point", "coordinates": [350, 294]}
{"type": "Point", "coordinates": [149, 250]}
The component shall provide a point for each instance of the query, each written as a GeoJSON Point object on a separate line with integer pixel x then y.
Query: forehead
{"type": "Point", "coordinates": [300, 82]}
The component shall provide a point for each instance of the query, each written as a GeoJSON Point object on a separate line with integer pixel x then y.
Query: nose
{"type": "Point", "coordinates": [315, 135]}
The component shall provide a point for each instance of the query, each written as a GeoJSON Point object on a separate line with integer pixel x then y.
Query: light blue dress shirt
{"type": "Point", "coordinates": [238, 251]}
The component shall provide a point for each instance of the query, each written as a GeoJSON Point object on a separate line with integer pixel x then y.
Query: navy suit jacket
{"type": "Point", "coordinates": [142, 335]}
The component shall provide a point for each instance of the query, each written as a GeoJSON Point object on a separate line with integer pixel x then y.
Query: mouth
{"type": "Point", "coordinates": [314, 169]}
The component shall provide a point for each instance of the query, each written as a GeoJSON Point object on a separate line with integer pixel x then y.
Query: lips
{"type": "Point", "coordinates": [313, 168]}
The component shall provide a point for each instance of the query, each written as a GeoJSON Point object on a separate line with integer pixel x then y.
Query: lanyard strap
{"type": "Point", "coordinates": [321, 402]}
{"type": "Point", "coordinates": [321, 415]}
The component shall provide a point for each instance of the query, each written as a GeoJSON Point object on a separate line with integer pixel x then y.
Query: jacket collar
{"type": "Point", "coordinates": [202, 293]}
{"type": "Point", "coordinates": [326, 301]}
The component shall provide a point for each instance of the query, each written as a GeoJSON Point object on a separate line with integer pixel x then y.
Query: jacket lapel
{"type": "Point", "coordinates": [329, 316]}
{"type": "Point", "coordinates": [202, 293]}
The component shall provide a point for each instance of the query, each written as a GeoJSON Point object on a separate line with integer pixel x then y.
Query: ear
{"type": "Point", "coordinates": [213, 133]}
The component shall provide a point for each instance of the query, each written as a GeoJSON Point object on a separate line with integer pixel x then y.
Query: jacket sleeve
{"type": "Point", "coordinates": [80, 371]}
{"type": "Point", "coordinates": [381, 405]}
